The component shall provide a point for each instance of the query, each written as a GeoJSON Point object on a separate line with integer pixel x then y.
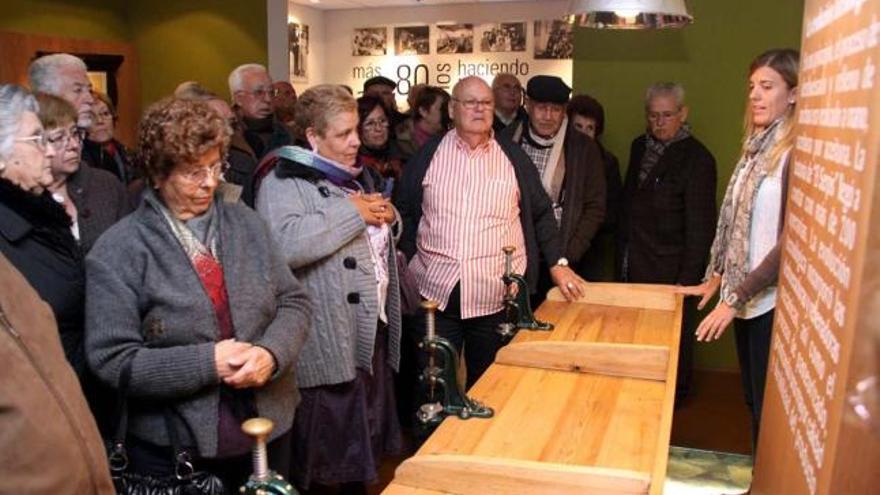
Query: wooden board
{"type": "Point", "coordinates": [596, 423]}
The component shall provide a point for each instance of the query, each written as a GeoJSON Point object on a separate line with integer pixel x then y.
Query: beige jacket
{"type": "Point", "coordinates": [49, 443]}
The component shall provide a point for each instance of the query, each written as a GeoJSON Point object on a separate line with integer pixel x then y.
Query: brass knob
{"type": "Point", "coordinates": [429, 305]}
{"type": "Point", "coordinates": [258, 427]}
{"type": "Point", "coordinates": [508, 249]}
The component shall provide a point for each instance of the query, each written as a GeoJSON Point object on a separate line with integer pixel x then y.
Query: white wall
{"type": "Point", "coordinates": [331, 61]}
{"type": "Point", "coordinates": [442, 70]}
{"type": "Point", "coordinates": [279, 13]}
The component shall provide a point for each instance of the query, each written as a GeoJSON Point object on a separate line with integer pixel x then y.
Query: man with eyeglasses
{"type": "Point", "coordinates": [463, 197]}
{"type": "Point", "coordinates": [508, 101]}
{"type": "Point", "coordinates": [569, 164]}
{"type": "Point", "coordinates": [259, 131]}
{"type": "Point", "coordinates": [667, 221]}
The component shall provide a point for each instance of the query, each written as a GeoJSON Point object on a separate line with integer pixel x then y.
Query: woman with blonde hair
{"type": "Point", "coordinates": [335, 231]}
{"type": "Point", "coordinates": [745, 255]}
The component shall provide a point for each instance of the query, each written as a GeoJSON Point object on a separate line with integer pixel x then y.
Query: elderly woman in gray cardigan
{"type": "Point", "coordinates": [335, 231]}
{"type": "Point", "coordinates": [190, 299]}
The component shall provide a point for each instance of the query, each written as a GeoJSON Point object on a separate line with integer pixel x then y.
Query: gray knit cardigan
{"type": "Point", "coordinates": [146, 304]}
{"type": "Point", "coordinates": [324, 241]}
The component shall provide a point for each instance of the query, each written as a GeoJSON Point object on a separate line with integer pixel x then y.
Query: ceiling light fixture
{"type": "Point", "coordinates": [629, 14]}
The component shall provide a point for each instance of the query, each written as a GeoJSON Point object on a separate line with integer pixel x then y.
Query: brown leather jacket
{"type": "Point", "coordinates": [49, 442]}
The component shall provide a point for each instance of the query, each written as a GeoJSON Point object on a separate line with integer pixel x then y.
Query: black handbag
{"type": "Point", "coordinates": [185, 480]}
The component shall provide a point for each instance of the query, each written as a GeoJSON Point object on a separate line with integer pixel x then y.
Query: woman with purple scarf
{"type": "Point", "coordinates": [336, 229]}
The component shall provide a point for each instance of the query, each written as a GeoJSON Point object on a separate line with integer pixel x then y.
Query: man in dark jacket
{"type": "Point", "coordinates": [569, 165]}
{"type": "Point", "coordinates": [462, 198]}
{"type": "Point", "coordinates": [258, 131]}
{"type": "Point", "coordinates": [668, 208]}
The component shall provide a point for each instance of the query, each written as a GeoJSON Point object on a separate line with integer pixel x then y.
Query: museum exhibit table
{"type": "Point", "coordinates": [583, 409]}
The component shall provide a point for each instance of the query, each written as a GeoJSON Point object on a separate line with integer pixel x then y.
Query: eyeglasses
{"type": "Point", "coordinates": [67, 136]}
{"type": "Point", "coordinates": [658, 116]}
{"type": "Point", "coordinates": [376, 125]}
{"type": "Point", "coordinates": [474, 104]}
{"type": "Point", "coordinates": [41, 141]}
{"type": "Point", "coordinates": [198, 176]}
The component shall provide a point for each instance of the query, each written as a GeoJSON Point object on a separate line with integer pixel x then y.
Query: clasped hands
{"type": "Point", "coordinates": [373, 208]}
{"type": "Point", "coordinates": [243, 365]}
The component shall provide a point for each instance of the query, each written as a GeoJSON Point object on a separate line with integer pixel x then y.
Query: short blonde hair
{"type": "Point", "coordinates": [318, 105]}
{"type": "Point", "coordinates": [55, 111]}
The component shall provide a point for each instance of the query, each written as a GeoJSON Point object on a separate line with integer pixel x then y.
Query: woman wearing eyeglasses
{"type": "Point", "coordinates": [335, 230]}
{"type": "Point", "coordinates": [377, 150]}
{"type": "Point", "coordinates": [94, 199]}
{"type": "Point", "coordinates": [35, 232]}
{"type": "Point", "coordinates": [100, 149]}
{"type": "Point", "coordinates": [189, 297]}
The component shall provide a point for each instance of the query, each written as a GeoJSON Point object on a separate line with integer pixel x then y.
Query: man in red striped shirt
{"type": "Point", "coordinates": [462, 199]}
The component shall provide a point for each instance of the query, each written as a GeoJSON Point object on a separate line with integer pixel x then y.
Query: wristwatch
{"type": "Point", "coordinates": [562, 262]}
{"type": "Point", "coordinates": [733, 301]}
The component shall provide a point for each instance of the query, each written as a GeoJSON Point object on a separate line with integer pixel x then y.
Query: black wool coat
{"type": "Point", "coordinates": [667, 222]}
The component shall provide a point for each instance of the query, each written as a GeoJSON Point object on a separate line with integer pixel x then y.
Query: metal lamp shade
{"type": "Point", "coordinates": [630, 14]}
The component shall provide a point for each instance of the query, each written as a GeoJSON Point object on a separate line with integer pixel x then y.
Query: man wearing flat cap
{"type": "Point", "coordinates": [569, 164]}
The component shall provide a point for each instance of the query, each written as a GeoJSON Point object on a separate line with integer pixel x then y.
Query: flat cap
{"type": "Point", "coordinates": [380, 80]}
{"type": "Point", "coordinates": [548, 89]}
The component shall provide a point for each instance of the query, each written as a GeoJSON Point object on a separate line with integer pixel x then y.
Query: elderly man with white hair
{"type": "Point", "coordinates": [259, 131]}
{"type": "Point", "coordinates": [65, 75]}
{"type": "Point", "coordinates": [93, 198]}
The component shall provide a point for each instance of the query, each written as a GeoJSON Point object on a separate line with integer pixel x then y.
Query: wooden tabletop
{"type": "Point", "coordinates": [586, 408]}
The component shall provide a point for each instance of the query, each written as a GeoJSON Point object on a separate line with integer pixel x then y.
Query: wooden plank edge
{"type": "Point", "coordinates": [478, 475]}
{"type": "Point", "coordinates": [658, 473]}
{"type": "Point", "coordinates": [650, 362]}
{"type": "Point", "coordinates": [643, 296]}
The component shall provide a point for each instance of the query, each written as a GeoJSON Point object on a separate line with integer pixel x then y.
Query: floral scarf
{"type": "Point", "coordinates": [730, 250]}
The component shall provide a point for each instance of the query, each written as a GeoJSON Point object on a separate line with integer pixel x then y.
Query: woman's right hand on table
{"type": "Point", "coordinates": [706, 290]}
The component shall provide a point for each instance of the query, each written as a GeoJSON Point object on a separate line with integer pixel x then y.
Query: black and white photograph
{"type": "Point", "coordinates": [369, 42]}
{"type": "Point", "coordinates": [504, 37]}
{"type": "Point", "coordinates": [455, 38]}
{"type": "Point", "coordinates": [553, 39]}
{"type": "Point", "coordinates": [412, 40]}
{"type": "Point", "coordinates": [298, 50]}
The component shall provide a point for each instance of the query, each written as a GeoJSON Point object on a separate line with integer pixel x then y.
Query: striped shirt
{"type": "Point", "coordinates": [470, 210]}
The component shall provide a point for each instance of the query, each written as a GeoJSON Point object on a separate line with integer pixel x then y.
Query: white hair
{"type": "Point", "coordinates": [672, 89]}
{"type": "Point", "coordinates": [237, 75]}
{"type": "Point", "coordinates": [14, 101]}
{"type": "Point", "coordinates": [43, 72]}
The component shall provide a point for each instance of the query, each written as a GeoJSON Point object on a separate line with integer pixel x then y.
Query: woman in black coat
{"type": "Point", "coordinates": [35, 231]}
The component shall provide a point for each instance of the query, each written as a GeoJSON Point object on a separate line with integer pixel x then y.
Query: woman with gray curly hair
{"type": "Point", "coordinates": [191, 310]}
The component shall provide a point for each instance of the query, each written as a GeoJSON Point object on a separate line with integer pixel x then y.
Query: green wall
{"type": "Point", "coordinates": [710, 58]}
{"type": "Point", "coordinates": [87, 19]}
{"type": "Point", "coordinates": [195, 39]}
{"type": "Point", "coordinates": [175, 41]}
